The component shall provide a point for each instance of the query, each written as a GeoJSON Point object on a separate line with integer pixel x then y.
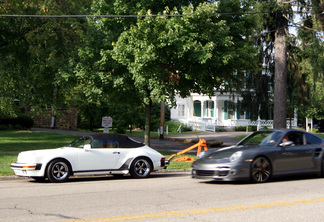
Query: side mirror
{"type": "Point", "coordinates": [87, 147]}
{"type": "Point", "coordinates": [287, 143]}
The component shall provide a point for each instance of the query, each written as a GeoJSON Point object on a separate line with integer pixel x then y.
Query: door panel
{"type": "Point", "coordinates": [98, 159]}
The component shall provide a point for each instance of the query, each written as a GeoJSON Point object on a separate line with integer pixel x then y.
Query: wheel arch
{"type": "Point", "coordinates": [268, 159]}
{"type": "Point", "coordinates": [265, 156]}
{"type": "Point", "coordinates": [139, 157]}
{"type": "Point", "coordinates": [58, 158]}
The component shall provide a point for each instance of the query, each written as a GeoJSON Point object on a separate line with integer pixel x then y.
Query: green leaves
{"type": "Point", "coordinates": [195, 52]}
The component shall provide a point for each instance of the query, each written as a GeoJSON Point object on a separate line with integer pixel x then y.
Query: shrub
{"type": "Point", "coordinates": [214, 143]}
{"type": "Point", "coordinates": [120, 130]}
{"type": "Point", "coordinates": [243, 128]}
{"type": "Point", "coordinates": [22, 121]}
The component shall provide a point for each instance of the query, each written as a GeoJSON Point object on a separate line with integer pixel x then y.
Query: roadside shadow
{"type": "Point", "coordinates": [74, 179]}
{"type": "Point", "coordinates": [272, 180]}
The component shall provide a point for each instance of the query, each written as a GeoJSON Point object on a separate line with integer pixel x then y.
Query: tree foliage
{"type": "Point", "coordinates": [195, 52]}
{"type": "Point", "coordinates": [36, 51]}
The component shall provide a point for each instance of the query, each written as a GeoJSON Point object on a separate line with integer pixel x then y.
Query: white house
{"type": "Point", "coordinates": [206, 113]}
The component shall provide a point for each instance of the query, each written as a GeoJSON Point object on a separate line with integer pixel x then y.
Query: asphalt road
{"type": "Point", "coordinates": [162, 197]}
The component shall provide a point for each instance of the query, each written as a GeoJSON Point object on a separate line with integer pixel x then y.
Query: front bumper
{"type": "Point", "coordinates": [221, 173]}
{"type": "Point", "coordinates": [27, 169]}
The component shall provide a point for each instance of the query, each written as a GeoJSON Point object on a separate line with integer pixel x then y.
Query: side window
{"type": "Point", "coordinates": [296, 137]}
{"type": "Point", "coordinates": [111, 144]}
{"type": "Point", "coordinates": [99, 144]}
{"type": "Point", "coordinates": [95, 144]}
{"type": "Point", "coordinates": [311, 139]}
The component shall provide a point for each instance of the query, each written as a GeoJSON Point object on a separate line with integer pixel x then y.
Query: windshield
{"type": "Point", "coordinates": [263, 138]}
{"type": "Point", "coordinates": [80, 142]}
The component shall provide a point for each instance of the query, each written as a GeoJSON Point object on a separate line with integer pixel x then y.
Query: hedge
{"type": "Point", "coordinates": [22, 121]}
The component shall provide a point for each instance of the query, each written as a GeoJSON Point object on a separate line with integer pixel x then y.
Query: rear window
{"type": "Point", "coordinates": [311, 139]}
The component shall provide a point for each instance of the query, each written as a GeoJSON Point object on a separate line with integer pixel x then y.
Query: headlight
{"type": "Point", "coordinates": [235, 156]}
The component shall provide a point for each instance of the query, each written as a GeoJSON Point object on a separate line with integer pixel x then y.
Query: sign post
{"type": "Point", "coordinates": [106, 123]}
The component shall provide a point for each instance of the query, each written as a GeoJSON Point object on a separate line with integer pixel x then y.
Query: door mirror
{"type": "Point", "coordinates": [287, 143]}
{"type": "Point", "coordinates": [87, 147]}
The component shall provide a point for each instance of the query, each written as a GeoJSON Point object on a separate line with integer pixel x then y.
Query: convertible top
{"type": "Point", "coordinates": [123, 141]}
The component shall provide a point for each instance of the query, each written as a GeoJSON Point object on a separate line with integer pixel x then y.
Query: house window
{"type": "Point", "coordinates": [197, 108]}
{"type": "Point", "coordinates": [228, 111]}
{"type": "Point", "coordinates": [230, 114]}
{"type": "Point", "coordinates": [240, 112]}
{"type": "Point", "coordinates": [209, 108]}
{"type": "Point", "coordinates": [181, 110]}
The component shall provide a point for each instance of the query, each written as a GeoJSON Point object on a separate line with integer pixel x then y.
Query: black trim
{"type": "Point", "coordinates": [125, 166]}
{"type": "Point", "coordinates": [38, 166]}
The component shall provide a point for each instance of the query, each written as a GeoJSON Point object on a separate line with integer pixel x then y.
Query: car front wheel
{"type": "Point", "coordinates": [58, 171]}
{"type": "Point", "coordinates": [261, 170]}
{"type": "Point", "coordinates": [140, 168]}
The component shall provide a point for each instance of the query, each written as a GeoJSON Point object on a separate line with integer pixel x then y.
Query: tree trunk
{"type": "Point", "coordinates": [147, 123]}
{"type": "Point", "coordinates": [280, 90]}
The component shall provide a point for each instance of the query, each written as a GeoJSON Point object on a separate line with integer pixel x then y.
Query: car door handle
{"type": "Point", "coordinates": [116, 152]}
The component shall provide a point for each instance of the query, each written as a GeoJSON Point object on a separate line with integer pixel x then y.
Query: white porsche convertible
{"type": "Point", "coordinates": [99, 154]}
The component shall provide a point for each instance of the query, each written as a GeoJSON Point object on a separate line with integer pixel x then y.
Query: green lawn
{"type": "Point", "coordinates": [13, 142]}
{"type": "Point", "coordinates": [16, 141]}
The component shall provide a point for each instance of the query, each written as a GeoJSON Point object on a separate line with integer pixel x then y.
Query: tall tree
{"type": "Point", "coordinates": [37, 51]}
{"type": "Point", "coordinates": [195, 52]}
{"type": "Point", "coordinates": [280, 60]}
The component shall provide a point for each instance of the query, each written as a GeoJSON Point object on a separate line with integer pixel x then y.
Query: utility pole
{"type": "Point", "coordinates": [162, 117]}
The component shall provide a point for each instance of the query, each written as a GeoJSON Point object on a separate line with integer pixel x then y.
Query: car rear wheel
{"type": "Point", "coordinates": [58, 171]}
{"type": "Point", "coordinates": [140, 168]}
{"type": "Point", "coordinates": [261, 170]}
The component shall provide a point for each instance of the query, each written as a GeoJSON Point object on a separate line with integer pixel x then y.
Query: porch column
{"type": "Point", "coordinates": [202, 107]}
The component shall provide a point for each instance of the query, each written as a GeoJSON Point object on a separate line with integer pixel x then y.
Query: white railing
{"type": "Point", "coordinates": [246, 122]}
{"type": "Point", "coordinates": [201, 125]}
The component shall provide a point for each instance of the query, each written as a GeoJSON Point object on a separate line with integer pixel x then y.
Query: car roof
{"type": "Point", "coordinates": [283, 130]}
{"type": "Point", "coordinates": [124, 141]}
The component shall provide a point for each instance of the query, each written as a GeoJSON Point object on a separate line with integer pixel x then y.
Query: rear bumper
{"type": "Point", "coordinates": [164, 163]}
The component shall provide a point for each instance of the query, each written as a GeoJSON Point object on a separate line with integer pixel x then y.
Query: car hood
{"type": "Point", "coordinates": [222, 155]}
{"type": "Point", "coordinates": [36, 155]}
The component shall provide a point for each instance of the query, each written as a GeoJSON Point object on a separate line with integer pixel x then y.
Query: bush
{"type": "Point", "coordinates": [243, 128]}
{"type": "Point", "coordinates": [214, 143]}
{"type": "Point", "coordinates": [120, 130]}
{"type": "Point", "coordinates": [22, 121]}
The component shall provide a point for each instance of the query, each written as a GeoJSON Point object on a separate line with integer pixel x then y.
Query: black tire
{"type": "Point", "coordinates": [261, 170]}
{"type": "Point", "coordinates": [141, 168]}
{"type": "Point", "coordinates": [58, 171]}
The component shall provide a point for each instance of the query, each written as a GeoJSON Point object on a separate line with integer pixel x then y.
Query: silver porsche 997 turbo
{"type": "Point", "coordinates": [262, 155]}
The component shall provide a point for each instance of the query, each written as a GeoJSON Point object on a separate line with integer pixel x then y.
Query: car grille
{"type": "Point", "coordinates": [221, 172]}
{"type": "Point", "coordinates": [205, 172]}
